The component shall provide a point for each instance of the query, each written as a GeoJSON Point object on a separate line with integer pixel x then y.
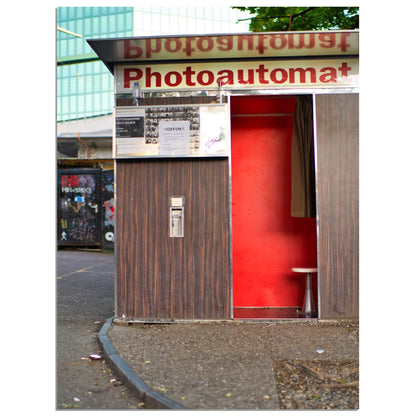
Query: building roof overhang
{"type": "Point", "coordinates": [93, 128]}
{"type": "Point", "coordinates": [258, 45]}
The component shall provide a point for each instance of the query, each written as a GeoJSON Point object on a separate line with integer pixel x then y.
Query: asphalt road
{"type": "Point", "coordinates": [85, 299]}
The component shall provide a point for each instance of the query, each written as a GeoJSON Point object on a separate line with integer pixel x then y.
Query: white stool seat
{"type": "Point", "coordinates": [304, 269]}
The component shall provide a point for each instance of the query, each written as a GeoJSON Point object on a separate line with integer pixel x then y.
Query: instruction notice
{"type": "Point", "coordinates": [174, 137]}
{"type": "Point", "coordinates": [130, 127]}
{"type": "Point", "coordinates": [171, 131]}
{"type": "Point", "coordinates": [130, 133]}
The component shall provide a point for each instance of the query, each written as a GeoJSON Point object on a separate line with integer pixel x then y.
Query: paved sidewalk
{"type": "Point", "coordinates": [84, 300]}
{"type": "Point", "coordinates": [224, 365]}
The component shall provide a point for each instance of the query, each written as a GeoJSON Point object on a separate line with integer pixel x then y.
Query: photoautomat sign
{"type": "Point", "coordinates": [239, 74]}
{"type": "Point", "coordinates": [237, 46]}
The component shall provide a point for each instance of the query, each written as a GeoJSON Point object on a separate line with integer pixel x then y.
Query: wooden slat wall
{"type": "Point", "coordinates": [337, 119]}
{"type": "Point", "coordinates": [160, 277]}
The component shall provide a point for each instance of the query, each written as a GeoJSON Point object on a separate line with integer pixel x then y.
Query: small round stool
{"type": "Point", "coordinates": [309, 307]}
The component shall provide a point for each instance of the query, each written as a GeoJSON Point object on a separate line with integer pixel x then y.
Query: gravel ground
{"type": "Point", "coordinates": [239, 365]}
{"type": "Point", "coordinates": [328, 383]}
{"type": "Point", "coordinates": [317, 384]}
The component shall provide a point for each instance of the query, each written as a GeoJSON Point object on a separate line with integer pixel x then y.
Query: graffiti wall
{"type": "Point", "coordinates": [107, 196]}
{"type": "Point", "coordinates": [79, 207]}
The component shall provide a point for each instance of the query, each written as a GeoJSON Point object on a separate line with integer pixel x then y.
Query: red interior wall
{"type": "Point", "coordinates": [267, 240]}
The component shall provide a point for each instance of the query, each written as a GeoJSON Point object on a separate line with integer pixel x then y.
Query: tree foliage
{"type": "Point", "coordinates": [277, 19]}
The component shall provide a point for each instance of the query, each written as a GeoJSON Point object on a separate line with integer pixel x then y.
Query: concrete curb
{"type": "Point", "coordinates": [129, 377]}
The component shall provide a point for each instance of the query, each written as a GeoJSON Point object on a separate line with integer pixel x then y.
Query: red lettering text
{"type": "Point", "coordinates": [327, 40]}
{"type": "Point", "coordinates": [149, 48]}
{"type": "Point", "coordinates": [200, 77]}
{"type": "Point", "coordinates": [301, 41]}
{"type": "Point", "coordinates": [188, 46]}
{"type": "Point", "coordinates": [205, 44]}
{"type": "Point", "coordinates": [329, 75]}
{"type": "Point", "coordinates": [173, 45]}
{"type": "Point", "coordinates": [188, 76]}
{"type": "Point", "coordinates": [228, 78]}
{"type": "Point", "coordinates": [258, 44]}
{"type": "Point", "coordinates": [69, 180]}
{"type": "Point", "coordinates": [168, 79]}
{"type": "Point", "coordinates": [149, 75]}
{"type": "Point", "coordinates": [261, 47]}
{"type": "Point", "coordinates": [241, 80]}
{"type": "Point", "coordinates": [225, 43]}
{"type": "Point", "coordinates": [131, 52]}
{"type": "Point", "coordinates": [302, 75]}
{"type": "Point", "coordinates": [278, 38]}
{"type": "Point", "coordinates": [344, 45]}
{"type": "Point", "coordinates": [249, 42]}
{"type": "Point", "coordinates": [262, 71]}
{"type": "Point", "coordinates": [344, 68]}
{"type": "Point", "coordinates": [283, 76]}
{"type": "Point", "coordinates": [131, 74]}
{"type": "Point", "coordinates": [249, 73]}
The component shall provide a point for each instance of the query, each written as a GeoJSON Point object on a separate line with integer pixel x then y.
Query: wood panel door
{"type": "Point", "coordinates": [163, 277]}
{"type": "Point", "coordinates": [337, 119]}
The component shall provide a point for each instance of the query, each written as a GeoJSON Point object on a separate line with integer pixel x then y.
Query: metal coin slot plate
{"type": "Point", "coordinates": [176, 216]}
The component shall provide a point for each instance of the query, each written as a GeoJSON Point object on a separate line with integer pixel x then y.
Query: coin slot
{"type": "Point", "coordinates": [176, 221]}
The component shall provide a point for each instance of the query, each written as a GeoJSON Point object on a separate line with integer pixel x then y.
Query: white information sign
{"type": "Point", "coordinates": [172, 131]}
{"type": "Point", "coordinates": [174, 138]}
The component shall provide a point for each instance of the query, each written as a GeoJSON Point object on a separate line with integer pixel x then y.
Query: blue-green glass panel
{"type": "Point", "coordinates": [112, 23]}
{"type": "Point", "coordinates": [87, 11]}
{"type": "Point", "coordinates": [120, 23]}
{"type": "Point", "coordinates": [65, 86]}
{"type": "Point", "coordinates": [96, 25]}
{"type": "Point", "coordinates": [88, 104]}
{"type": "Point", "coordinates": [61, 13]}
{"type": "Point", "coordinates": [79, 26]}
{"type": "Point", "coordinates": [81, 104]}
{"type": "Point", "coordinates": [104, 24]}
{"type": "Point", "coordinates": [71, 13]}
{"type": "Point", "coordinates": [88, 84]}
{"type": "Point", "coordinates": [96, 11]}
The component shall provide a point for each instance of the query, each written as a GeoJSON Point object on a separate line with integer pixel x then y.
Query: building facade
{"type": "Point", "coordinates": [84, 85]}
{"type": "Point", "coordinates": [85, 102]}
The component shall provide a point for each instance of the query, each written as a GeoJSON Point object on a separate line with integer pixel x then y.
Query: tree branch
{"type": "Point", "coordinates": [291, 17]}
{"type": "Point", "coordinates": [297, 15]}
{"type": "Point", "coordinates": [304, 11]}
